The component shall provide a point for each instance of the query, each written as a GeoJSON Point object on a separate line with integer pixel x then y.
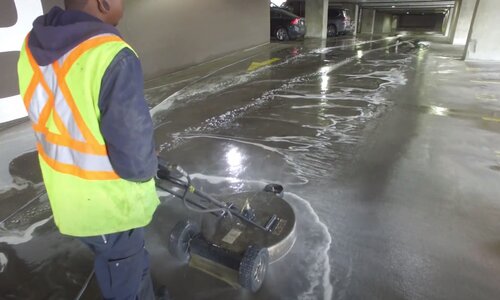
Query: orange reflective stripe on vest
{"type": "Point", "coordinates": [74, 150]}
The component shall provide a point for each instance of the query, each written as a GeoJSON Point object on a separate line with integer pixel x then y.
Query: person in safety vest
{"type": "Point", "coordinates": [82, 85]}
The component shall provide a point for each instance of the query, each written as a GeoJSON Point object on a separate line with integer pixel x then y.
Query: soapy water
{"type": "Point", "coordinates": [391, 78]}
{"type": "Point", "coordinates": [20, 227]}
{"type": "Point", "coordinates": [16, 237]}
{"type": "Point", "coordinates": [210, 84]}
{"type": "Point", "coordinates": [345, 47]}
{"type": "Point", "coordinates": [342, 111]}
{"type": "Point", "coordinates": [24, 139]}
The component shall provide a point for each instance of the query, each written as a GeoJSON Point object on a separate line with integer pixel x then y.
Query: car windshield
{"type": "Point", "coordinates": [334, 12]}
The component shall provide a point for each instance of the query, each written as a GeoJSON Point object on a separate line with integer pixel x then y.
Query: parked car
{"type": "Point", "coordinates": [286, 25]}
{"type": "Point", "coordinates": [339, 21]}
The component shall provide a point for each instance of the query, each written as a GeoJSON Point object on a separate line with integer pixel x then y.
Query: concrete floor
{"type": "Point", "coordinates": [389, 155]}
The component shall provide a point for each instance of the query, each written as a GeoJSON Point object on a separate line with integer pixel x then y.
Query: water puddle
{"type": "Point", "coordinates": [20, 227]}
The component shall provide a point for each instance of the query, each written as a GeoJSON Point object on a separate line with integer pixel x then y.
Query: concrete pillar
{"type": "Point", "coordinates": [448, 20]}
{"type": "Point", "coordinates": [464, 22]}
{"type": "Point", "coordinates": [454, 20]}
{"type": "Point", "coordinates": [316, 18]}
{"type": "Point", "coordinates": [483, 43]}
{"type": "Point", "coordinates": [356, 20]}
{"type": "Point", "coordinates": [367, 20]}
{"type": "Point", "coordinates": [383, 23]}
{"type": "Point", "coordinates": [374, 18]}
{"type": "Point", "coordinates": [394, 23]}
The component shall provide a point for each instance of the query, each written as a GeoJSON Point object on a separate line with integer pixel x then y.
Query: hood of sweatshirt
{"type": "Point", "coordinates": [59, 31]}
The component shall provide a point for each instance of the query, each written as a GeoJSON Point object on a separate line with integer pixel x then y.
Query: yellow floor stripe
{"type": "Point", "coordinates": [257, 65]}
{"type": "Point", "coordinates": [491, 119]}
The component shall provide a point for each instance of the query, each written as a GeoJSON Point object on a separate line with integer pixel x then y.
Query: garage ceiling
{"type": "Point", "coordinates": [400, 5]}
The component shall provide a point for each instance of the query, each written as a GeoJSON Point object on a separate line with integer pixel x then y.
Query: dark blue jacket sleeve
{"type": "Point", "coordinates": [126, 124]}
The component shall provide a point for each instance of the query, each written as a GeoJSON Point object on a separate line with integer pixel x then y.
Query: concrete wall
{"type": "Point", "coordinates": [167, 34]}
{"type": "Point", "coordinates": [422, 22]}
{"type": "Point", "coordinates": [170, 34]}
{"type": "Point", "coordinates": [464, 21]}
{"type": "Point", "coordinates": [484, 42]}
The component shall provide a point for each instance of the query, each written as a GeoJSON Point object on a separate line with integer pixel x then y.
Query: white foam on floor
{"type": "Point", "coordinates": [3, 262]}
{"type": "Point", "coordinates": [16, 237]}
{"type": "Point", "coordinates": [319, 275]}
{"type": "Point", "coordinates": [204, 85]}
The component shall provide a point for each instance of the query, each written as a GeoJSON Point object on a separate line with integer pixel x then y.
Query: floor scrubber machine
{"type": "Point", "coordinates": [238, 236]}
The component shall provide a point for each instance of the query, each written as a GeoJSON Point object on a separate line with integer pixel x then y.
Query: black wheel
{"type": "Point", "coordinates": [331, 30]}
{"type": "Point", "coordinates": [281, 34]}
{"type": "Point", "coordinates": [253, 268]}
{"type": "Point", "coordinates": [180, 238]}
{"type": "Point", "coordinates": [275, 189]}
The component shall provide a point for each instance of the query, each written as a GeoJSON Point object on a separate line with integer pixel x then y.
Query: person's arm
{"type": "Point", "coordinates": [126, 124]}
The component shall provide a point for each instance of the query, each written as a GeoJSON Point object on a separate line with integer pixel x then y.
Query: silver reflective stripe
{"type": "Point", "coordinates": [49, 76]}
{"type": "Point", "coordinates": [61, 106]}
{"type": "Point", "coordinates": [63, 58]}
{"type": "Point", "coordinates": [65, 155]}
{"type": "Point", "coordinates": [38, 101]}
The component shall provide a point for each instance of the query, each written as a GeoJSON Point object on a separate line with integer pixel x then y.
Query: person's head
{"type": "Point", "coordinates": [109, 11]}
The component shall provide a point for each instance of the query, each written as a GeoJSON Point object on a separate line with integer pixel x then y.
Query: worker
{"type": "Point", "coordinates": [82, 85]}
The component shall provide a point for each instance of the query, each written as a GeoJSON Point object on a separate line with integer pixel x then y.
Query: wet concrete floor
{"type": "Point", "coordinates": [389, 155]}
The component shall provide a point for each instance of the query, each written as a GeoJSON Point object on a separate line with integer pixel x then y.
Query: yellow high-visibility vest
{"type": "Point", "coordinates": [86, 195]}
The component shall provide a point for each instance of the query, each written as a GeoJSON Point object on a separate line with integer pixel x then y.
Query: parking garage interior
{"type": "Point", "coordinates": [385, 137]}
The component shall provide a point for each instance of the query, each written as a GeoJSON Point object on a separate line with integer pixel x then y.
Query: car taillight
{"type": "Point", "coordinates": [295, 21]}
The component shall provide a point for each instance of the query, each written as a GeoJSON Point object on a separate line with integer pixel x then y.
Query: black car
{"type": "Point", "coordinates": [286, 25]}
{"type": "Point", "coordinates": [339, 21]}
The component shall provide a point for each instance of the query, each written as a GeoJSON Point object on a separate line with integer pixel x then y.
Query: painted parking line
{"type": "Point", "coordinates": [491, 119]}
{"type": "Point", "coordinates": [485, 81]}
{"type": "Point", "coordinates": [486, 97]}
{"type": "Point", "coordinates": [257, 65]}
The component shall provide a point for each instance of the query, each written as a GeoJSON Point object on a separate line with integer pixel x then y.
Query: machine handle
{"type": "Point", "coordinates": [167, 170]}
